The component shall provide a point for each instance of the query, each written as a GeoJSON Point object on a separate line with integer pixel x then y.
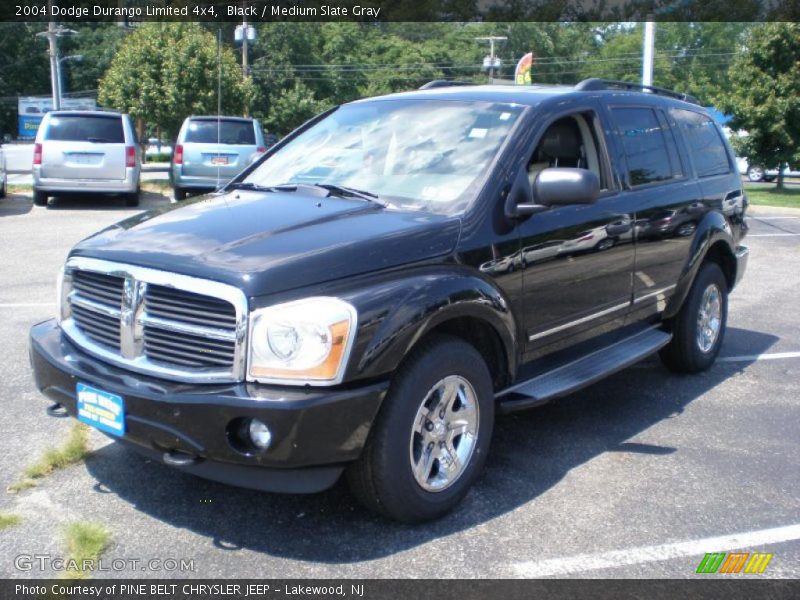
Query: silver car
{"type": "Point", "coordinates": [86, 152]}
{"type": "Point", "coordinates": [211, 150]}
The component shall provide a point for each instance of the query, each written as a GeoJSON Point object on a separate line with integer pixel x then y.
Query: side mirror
{"type": "Point", "coordinates": [560, 187]}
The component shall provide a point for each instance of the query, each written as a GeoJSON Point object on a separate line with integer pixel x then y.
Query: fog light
{"type": "Point", "coordinates": [259, 433]}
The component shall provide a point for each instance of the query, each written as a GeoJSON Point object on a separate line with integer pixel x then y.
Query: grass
{"type": "Point", "coordinates": [85, 541]}
{"type": "Point", "coordinates": [8, 520]}
{"type": "Point", "coordinates": [19, 188]}
{"type": "Point", "coordinates": [159, 186]}
{"type": "Point", "coordinates": [761, 195]}
{"type": "Point", "coordinates": [72, 451]}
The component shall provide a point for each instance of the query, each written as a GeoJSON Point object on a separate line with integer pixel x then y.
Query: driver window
{"type": "Point", "coordinates": [568, 142]}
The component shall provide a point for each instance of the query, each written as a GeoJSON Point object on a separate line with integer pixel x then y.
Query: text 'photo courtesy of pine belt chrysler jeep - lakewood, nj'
{"type": "Point", "coordinates": [367, 295]}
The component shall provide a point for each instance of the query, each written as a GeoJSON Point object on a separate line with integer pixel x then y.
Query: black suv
{"type": "Point", "coordinates": [368, 295]}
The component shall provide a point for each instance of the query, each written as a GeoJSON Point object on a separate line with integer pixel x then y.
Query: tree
{"type": "Point", "coordinates": [765, 95]}
{"type": "Point", "coordinates": [24, 69]}
{"type": "Point", "coordinates": [164, 72]}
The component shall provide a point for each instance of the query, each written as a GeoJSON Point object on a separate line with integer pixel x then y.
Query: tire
{"type": "Point", "coordinates": [132, 199]}
{"type": "Point", "coordinates": [383, 478]}
{"type": "Point", "coordinates": [4, 189]}
{"type": "Point", "coordinates": [686, 229]}
{"type": "Point", "coordinates": [39, 198]}
{"type": "Point", "coordinates": [604, 244]}
{"type": "Point", "coordinates": [179, 194]}
{"type": "Point", "coordinates": [690, 351]}
{"type": "Point", "coordinates": [755, 173]}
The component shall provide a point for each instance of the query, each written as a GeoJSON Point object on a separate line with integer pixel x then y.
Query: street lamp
{"type": "Point", "coordinates": [72, 57]}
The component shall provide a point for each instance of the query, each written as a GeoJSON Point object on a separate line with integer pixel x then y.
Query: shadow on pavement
{"type": "Point", "coordinates": [15, 204]}
{"type": "Point", "coordinates": [147, 200]}
{"type": "Point", "coordinates": [531, 452]}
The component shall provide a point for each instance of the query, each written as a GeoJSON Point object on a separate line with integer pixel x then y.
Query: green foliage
{"type": "Point", "coordinates": [765, 94]}
{"type": "Point", "coordinates": [24, 69]}
{"type": "Point", "coordinates": [86, 541]}
{"type": "Point", "coordinates": [164, 72]}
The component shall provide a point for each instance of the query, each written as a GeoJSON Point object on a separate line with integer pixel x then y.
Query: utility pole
{"type": "Point", "coordinates": [244, 43]}
{"type": "Point", "coordinates": [55, 70]}
{"type": "Point", "coordinates": [491, 62]}
{"type": "Point", "coordinates": [648, 51]}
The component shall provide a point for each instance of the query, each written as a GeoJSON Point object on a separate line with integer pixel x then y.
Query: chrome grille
{"type": "Point", "coordinates": [151, 321]}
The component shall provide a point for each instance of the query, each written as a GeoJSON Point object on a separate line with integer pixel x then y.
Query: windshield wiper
{"type": "Point", "coordinates": [348, 192]}
{"type": "Point", "coordinates": [98, 140]}
{"type": "Point", "coordinates": [249, 185]}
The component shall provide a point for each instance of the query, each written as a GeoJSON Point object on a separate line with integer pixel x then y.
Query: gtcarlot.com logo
{"type": "Point", "coordinates": [45, 562]}
{"type": "Point", "coordinates": [734, 562]}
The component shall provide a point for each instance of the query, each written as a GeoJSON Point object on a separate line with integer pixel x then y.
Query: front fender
{"type": "Point", "coordinates": [713, 228]}
{"type": "Point", "coordinates": [395, 314]}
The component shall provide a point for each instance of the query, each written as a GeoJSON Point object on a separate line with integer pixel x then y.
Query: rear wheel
{"type": "Point", "coordinates": [39, 198]}
{"type": "Point", "coordinates": [179, 194]}
{"type": "Point", "coordinates": [431, 437]}
{"type": "Point", "coordinates": [698, 329]}
{"type": "Point", "coordinates": [132, 199]}
{"type": "Point", "coordinates": [4, 189]}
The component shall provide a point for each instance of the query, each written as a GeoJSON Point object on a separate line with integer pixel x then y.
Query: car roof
{"type": "Point", "coordinates": [532, 95]}
{"type": "Point", "coordinates": [220, 118]}
{"type": "Point", "coordinates": [85, 113]}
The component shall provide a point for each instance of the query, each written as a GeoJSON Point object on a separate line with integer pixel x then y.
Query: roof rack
{"type": "Point", "coordinates": [593, 84]}
{"type": "Point", "coordinates": [439, 83]}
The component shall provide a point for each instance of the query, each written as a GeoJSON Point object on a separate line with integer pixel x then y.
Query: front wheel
{"type": "Point", "coordinates": [755, 173]}
{"type": "Point", "coordinates": [698, 329]}
{"type": "Point", "coordinates": [431, 437]}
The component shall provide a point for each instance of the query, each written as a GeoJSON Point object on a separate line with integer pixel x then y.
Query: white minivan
{"type": "Point", "coordinates": [86, 152]}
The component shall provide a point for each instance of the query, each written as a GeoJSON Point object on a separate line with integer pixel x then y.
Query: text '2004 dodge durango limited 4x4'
{"type": "Point", "coordinates": [366, 296]}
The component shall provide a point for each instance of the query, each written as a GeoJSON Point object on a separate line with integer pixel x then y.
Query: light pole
{"type": "Point", "coordinates": [491, 62]}
{"type": "Point", "coordinates": [63, 59]}
{"type": "Point", "coordinates": [648, 51]}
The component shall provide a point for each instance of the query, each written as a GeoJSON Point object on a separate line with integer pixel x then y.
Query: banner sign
{"type": "Point", "coordinates": [522, 74]}
{"type": "Point", "coordinates": [33, 108]}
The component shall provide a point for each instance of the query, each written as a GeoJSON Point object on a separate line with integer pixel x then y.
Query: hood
{"type": "Point", "coordinates": [268, 242]}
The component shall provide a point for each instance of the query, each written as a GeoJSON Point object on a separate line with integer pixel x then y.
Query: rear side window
{"type": "Point", "coordinates": [649, 147]}
{"type": "Point", "coordinates": [705, 144]}
{"type": "Point", "coordinates": [230, 132]}
{"type": "Point", "coordinates": [85, 128]}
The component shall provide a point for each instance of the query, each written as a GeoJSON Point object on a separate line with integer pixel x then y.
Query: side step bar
{"type": "Point", "coordinates": [581, 372]}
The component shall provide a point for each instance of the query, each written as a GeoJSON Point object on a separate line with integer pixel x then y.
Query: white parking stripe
{"type": "Point", "coordinates": [26, 304]}
{"type": "Point", "coordinates": [752, 357]}
{"type": "Point", "coordinates": [752, 235]}
{"type": "Point", "coordinates": [773, 218]}
{"type": "Point", "coordinates": [635, 556]}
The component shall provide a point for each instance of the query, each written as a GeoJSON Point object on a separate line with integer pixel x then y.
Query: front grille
{"type": "Point", "coordinates": [166, 324]}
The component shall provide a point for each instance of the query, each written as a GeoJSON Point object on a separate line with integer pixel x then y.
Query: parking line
{"type": "Point", "coordinates": [26, 304]}
{"type": "Point", "coordinates": [645, 554]}
{"type": "Point", "coordinates": [753, 357]}
{"type": "Point", "coordinates": [752, 235]}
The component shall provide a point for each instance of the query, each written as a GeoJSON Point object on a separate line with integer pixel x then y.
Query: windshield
{"type": "Point", "coordinates": [414, 154]}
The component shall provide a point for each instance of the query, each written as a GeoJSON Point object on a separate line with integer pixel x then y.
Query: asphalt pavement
{"type": "Point", "coordinates": [637, 476]}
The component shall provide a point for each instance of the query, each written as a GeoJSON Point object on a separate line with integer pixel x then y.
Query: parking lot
{"type": "Point", "coordinates": [637, 476]}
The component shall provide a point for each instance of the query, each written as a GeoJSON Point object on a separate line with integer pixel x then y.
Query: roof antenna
{"type": "Point", "coordinates": [219, 99]}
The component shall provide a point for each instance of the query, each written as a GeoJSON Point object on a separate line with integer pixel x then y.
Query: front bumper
{"type": "Point", "coordinates": [315, 432]}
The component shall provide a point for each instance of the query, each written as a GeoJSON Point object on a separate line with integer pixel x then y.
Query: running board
{"type": "Point", "coordinates": [581, 372]}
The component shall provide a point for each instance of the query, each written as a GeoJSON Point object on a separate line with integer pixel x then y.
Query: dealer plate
{"type": "Point", "coordinates": [100, 409]}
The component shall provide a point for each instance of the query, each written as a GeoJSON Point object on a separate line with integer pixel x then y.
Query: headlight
{"type": "Point", "coordinates": [63, 288]}
{"type": "Point", "coordinates": [307, 341]}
